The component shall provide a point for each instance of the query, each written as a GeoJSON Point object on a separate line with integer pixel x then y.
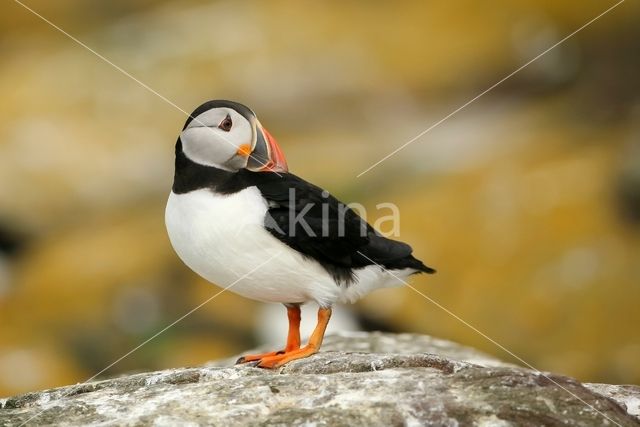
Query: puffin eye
{"type": "Point", "coordinates": [226, 124]}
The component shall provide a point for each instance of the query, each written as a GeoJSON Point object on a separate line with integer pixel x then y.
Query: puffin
{"type": "Point", "coordinates": [238, 218]}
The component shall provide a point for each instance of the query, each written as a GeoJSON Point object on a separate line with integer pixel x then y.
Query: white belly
{"type": "Point", "coordinates": [223, 239]}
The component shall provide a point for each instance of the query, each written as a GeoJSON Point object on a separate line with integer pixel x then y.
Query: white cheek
{"type": "Point", "coordinates": [241, 131]}
{"type": "Point", "coordinates": [205, 146]}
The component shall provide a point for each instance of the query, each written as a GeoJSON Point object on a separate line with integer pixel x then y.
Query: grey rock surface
{"type": "Point", "coordinates": [359, 379]}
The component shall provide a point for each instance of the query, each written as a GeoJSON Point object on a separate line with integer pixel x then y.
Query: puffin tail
{"type": "Point", "coordinates": [419, 266]}
{"type": "Point", "coordinates": [425, 269]}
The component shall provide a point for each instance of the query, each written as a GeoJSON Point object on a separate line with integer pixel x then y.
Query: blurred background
{"type": "Point", "coordinates": [527, 201]}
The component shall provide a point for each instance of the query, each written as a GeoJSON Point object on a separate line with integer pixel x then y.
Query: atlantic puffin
{"type": "Point", "coordinates": [234, 204]}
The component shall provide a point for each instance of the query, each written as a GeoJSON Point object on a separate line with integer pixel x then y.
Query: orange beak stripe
{"type": "Point", "coordinates": [244, 150]}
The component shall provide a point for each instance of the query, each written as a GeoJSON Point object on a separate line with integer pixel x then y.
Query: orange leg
{"type": "Point", "coordinates": [293, 338]}
{"type": "Point", "coordinates": [315, 341]}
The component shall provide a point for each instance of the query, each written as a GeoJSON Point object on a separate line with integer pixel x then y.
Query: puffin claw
{"type": "Point", "coordinates": [243, 361]}
{"type": "Point", "coordinates": [257, 357]}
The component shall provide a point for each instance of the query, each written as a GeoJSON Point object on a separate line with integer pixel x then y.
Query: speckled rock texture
{"type": "Point", "coordinates": [359, 379]}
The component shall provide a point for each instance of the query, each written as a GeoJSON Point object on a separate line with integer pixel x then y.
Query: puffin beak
{"type": "Point", "coordinates": [267, 156]}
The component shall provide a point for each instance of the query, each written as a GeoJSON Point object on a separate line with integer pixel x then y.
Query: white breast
{"type": "Point", "coordinates": [222, 238]}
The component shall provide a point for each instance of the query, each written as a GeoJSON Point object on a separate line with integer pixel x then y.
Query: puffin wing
{"type": "Point", "coordinates": [319, 226]}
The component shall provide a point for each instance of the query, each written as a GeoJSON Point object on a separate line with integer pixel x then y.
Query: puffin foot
{"type": "Point", "coordinates": [278, 360]}
{"type": "Point", "coordinates": [292, 351]}
{"type": "Point", "coordinates": [293, 338]}
{"type": "Point", "coordinates": [257, 357]}
{"type": "Point", "coordinates": [315, 341]}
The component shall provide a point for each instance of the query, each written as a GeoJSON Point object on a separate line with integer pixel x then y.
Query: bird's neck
{"type": "Point", "coordinates": [190, 176]}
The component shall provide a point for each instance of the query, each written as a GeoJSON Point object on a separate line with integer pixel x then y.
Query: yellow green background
{"type": "Point", "coordinates": [527, 201]}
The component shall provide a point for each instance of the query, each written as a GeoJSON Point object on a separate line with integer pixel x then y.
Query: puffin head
{"type": "Point", "coordinates": [228, 135]}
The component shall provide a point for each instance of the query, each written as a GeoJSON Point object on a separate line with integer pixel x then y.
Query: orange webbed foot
{"type": "Point", "coordinates": [315, 341]}
{"type": "Point", "coordinates": [278, 360]}
{"type": "Point", "coordinates": [293, 338]}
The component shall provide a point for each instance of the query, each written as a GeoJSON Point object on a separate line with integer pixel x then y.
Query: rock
{"type": "Point", "coordinates": [628, 396]}
{"type": "Point", "coordinates": [359, 379]}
